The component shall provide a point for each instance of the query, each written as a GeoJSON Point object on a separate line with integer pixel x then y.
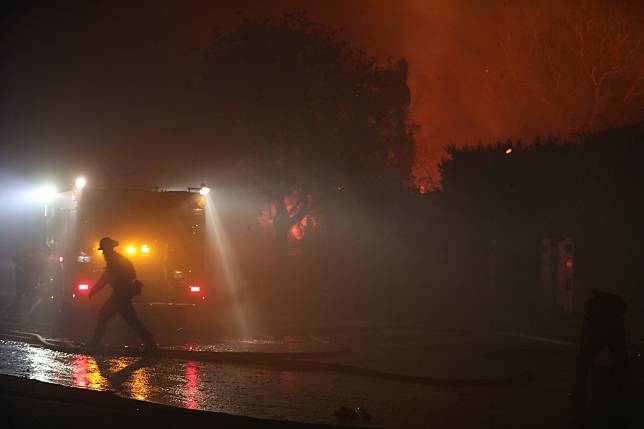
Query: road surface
{"type": "Point", "coordinates": [453, 378]}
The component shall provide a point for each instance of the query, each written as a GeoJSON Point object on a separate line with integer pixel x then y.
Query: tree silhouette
{"type": "Point", "coordinates": [302, 114]}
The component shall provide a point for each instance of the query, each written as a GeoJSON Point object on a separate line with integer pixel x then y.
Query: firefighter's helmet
{"type": "Point", "coordinates": [107, 243]}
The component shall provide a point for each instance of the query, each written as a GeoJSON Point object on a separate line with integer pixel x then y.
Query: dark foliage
{"type": "Point", "coordinates": [302, 114]}
{"type": "Point", "coordinates": [589, 190]}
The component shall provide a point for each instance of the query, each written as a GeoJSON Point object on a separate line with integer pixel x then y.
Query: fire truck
{"type": "Point", "coordinates": [160, 231]}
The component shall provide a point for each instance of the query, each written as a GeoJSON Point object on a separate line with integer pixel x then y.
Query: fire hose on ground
{"type": "Point", "coordinates": [290, 361]}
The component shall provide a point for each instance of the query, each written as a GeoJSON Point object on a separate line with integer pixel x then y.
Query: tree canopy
{"type": "Point", "coordinates": [301, 113]}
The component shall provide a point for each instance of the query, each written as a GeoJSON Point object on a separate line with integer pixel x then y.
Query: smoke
{"type": "Point", "coordinates": [488, 71]}
{"type": "Point", "coordinates": [83, 81]}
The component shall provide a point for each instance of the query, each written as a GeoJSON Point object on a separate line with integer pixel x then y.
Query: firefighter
{"type": "Point", "coordinates": [120, 274]}
{"type": "Point", "coordinates": [28, 268]}
{"type": "Point", "coordinates": [603, 327]}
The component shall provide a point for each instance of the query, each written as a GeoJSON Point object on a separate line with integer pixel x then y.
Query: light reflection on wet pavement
{"type": "Point", "coordinates": [273, 393]}
{"type": "Point", "coordinates": [233, 389]}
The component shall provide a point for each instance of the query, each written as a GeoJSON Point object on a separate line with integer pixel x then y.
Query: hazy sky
{"type": "Point", "coordinates": [82, 82]}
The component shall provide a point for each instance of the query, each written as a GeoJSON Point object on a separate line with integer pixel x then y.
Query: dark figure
{"type": "Point", "coordinates": [28, 269]}
{"type": "Point", "coordinates": [603, 327]}
{"type": "Point", "coordinates": [120, 274]}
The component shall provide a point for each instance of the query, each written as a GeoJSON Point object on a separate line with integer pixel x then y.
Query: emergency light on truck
{"type": "Point", "coordinates": [134, 249]}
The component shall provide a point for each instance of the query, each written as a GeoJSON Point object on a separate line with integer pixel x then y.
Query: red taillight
{"type": "Point", "coordinates": [195, 289]}
{"type": "Point", "coordinates": [83, 286]}
{"type": "Point", "coordinates": [569, 263]}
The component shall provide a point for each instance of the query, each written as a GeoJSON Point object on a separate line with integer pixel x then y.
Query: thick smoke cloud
{"type": "Point", "coordinates": [107, 77]}
{"type": "Point", "coordinates": [486, 71]}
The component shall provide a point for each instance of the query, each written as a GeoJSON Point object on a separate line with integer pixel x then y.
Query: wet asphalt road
{"type": "Point", "coordinates": [314, 396]}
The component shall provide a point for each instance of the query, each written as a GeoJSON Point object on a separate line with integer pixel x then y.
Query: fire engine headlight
{"type": "Point", "coordinates": [131, 250]}
{"type": "Point", "coordinates": [80, 182]}
{"type": "Point", "coordinates": [145, 249]}
{"type": "Point", "coordinates": [45, 194]}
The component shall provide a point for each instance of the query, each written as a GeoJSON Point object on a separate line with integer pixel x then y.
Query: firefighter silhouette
{"type": "Point", "coordinates": [603, 327]}
{"type": "Point", "coordinates": [29, 268]}
{"type": "Point", "coordinates": [120, 274]}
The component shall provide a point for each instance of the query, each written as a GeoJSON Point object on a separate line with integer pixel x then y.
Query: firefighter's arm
{"type": "Point", "coordinates": [100, 284]}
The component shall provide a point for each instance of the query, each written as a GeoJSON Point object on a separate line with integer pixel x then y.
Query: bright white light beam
{"type": "Point", "coordinates": [45, 194]}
